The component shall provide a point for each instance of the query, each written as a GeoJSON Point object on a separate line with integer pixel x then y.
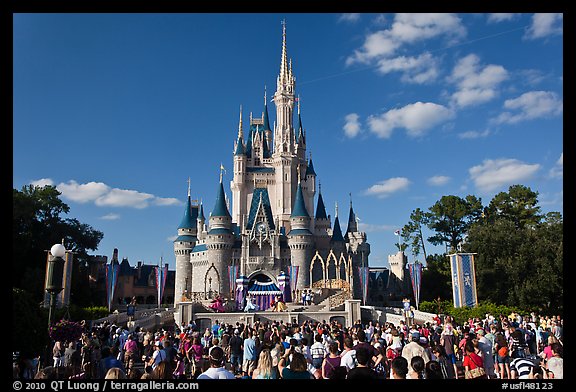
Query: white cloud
{"type": "Point", "coordinates": [558, 170]}
{"type": "Point", "coordinates": [103, 195]}
{"type": "Point", "coordinates": [531, 105]}
{"type": "Point", "coordinates": [416, 118]}
{"type": "Point", "coordinates": [124, 198]}
{"type": "Point", "coordinates": [83, 193]}
{"type": "Point", "coordinates": [407, 29]}
{"type": "Point", "coordinates": [500, 17]}
{"type": "Point", "coordinates": [544, 25]}
{"type": "Point", "coordinates": [418, 70]}
{"type": "Point", "coordinates": [438, 180]}
{"type": "Point", "coordinates": [387, 187]}
{"type": "Point", "coordinates": [494, 174]}
{"type": "Point", "coordinates": [474, 134]}
{"type": "Point", "coordinates": [350, 17]}
{"type": "Point", "coordinates": [352, 126]}
{"type": "Point", "coordinates": [42, 182]}
{"type": "Point", "coordinates": [420, 26]}
{"type": "Point", "coordinates": [110, 217]}
{"type": "Point", "coordinates": [476, 84]}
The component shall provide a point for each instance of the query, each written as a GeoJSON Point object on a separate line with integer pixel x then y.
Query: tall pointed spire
{"type": "Point", "coordinates": [299, 209]}
{"type": "Point", "coordinates": [188, 221]}
{"type": "Point", "coordinates": [240, 132]}
{"type": "Point", "coordinates": [352, 222]}
{"type": "Point", "coordinates": [337, 232]}
{"type": "Point", "coordinates": [220, 207]}
{"type": "Point", "coordinates": [320, 208]}
{"type": "Point", "coordinates": [240, 140]}
{"type": "Point", "coordinates": [283, 62]}
{"type": "Point", "coordinates": [266, 120]}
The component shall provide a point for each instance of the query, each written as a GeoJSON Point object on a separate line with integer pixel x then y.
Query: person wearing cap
{"type": "Point", "coordinates": [158, 356]}
{"type": "Point", "coordinates": [216, 371]}
{"type": "Point", "coordinates": [486, 351]}
{"type": "Point", "coordinates": [236, 345]}
{"type": "Point", "coordinates": [414, 348]}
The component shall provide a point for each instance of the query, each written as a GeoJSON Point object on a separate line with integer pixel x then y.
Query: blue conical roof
{"type": "Point", "coordinates": [220, 208]}
{"type": "Point", "coordinates": [320, 208]}
{"type": "Point", "coordinates": [239, 147]}
{"type": "Point", "coordinates": [188, 221]}
{"type": "Point", "coordinates": [266, 121]}
{"type": "Point", "coordinates": [337, 233]}
{"type": "Point", "coordinates": [310, 169]}
{"type": "Point", "coordinates": [300, 138]}
{"type": "Point", "coordinates": [352, 224]}
{"type": "Point", "coordinates": [201, 213]}
{"type": "Point", "coordinates": [299, 209]}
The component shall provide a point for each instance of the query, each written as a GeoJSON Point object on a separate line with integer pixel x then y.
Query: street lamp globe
{"type": "Point", "coordinates": [58, 250]}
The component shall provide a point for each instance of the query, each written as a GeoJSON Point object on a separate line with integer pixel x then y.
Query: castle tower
{"type": "Point", "coordinates": [219, 243]}
{"type": "Point", "coordinates": [397, 264]}
{"type": "Point", "coordinates": [183, 245]}
{"type": "Point", "coordinates": [285, 160]}
{"type": "Point", "coordinates": [358, 247]}
{"type": "Point", "coordinates": [239, 206]}
{"type": "Point", "coordinates": [301, 240]}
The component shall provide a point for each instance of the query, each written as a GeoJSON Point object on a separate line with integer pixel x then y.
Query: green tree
{"type": "Point", "coordinates": [519, 205]}
{"type": "Point", "coordinates": [412, 232]}
{"type": "Point", "coordinates": [519, 252]}
{"type": "Point", "coordinates": [37, 225]}
{"type": "Point", "coordinates": [436, 278]}
{"type": "Point", "coordinates": [451, 217]}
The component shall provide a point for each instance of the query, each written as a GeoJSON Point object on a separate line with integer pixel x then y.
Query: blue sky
{"type": "Point", "coordinates": [118, 110]}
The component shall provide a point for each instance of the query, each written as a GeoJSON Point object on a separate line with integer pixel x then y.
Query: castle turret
{"type": "Point", "coordinates": [322, 226]}
{"type": "Point", "coordinates": [301, 240]}
{"type": "Point", "coordinates": [219, 242]}
{"type": "Point", "coordinates": [201, 223]}
{"type": "Point", "coordinates": [240, 172]}
{"type": "Point", "coordinates": [183, 245]}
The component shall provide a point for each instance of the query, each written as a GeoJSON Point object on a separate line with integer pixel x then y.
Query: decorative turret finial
{"type": "Point", "coordinates": [221, 170]}
{"type": "Point", "coordinates": [319, 187]}
{"type": "Point", "coordinates": [250, 118]}
{"type": "Point", "coordinates": [240, 132]}
{"type": "Point", "coordinates": [265, 103]}
{"type": "Point", "coordinates": [336, 209]}
{"type": "Point", "coordinates": [188, 186]}
{"type": "Point", "coordinates": [350, 199]}
{"type": "Point", "coordinates": [298, 170]}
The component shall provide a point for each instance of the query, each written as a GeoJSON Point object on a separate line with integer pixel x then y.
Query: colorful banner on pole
{"type": "Point", "coordinates": [232, 275]}
{"type": "Point", "coordinates": [112, 270]}
{"type": "Point", "coordinates": [463, 279]}
{"type": "Point", "coordinates": [293, 273]}
{"type": "Point", "coordinates": [161, 273]}
{"type": "Point", "coordinates": [416, 279]}
{"type": "Point", "coordinates": [364, 272]}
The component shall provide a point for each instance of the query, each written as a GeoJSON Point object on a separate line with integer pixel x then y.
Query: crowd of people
{"type": "Point", "coordinates": [495, 347]}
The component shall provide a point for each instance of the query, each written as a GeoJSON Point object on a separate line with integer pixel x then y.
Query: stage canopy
{"type": "Point", "coordinates": [264, 288]}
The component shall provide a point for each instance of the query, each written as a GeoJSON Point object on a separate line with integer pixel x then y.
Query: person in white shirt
{"type": "Point", "coordinates": [348, 355]}
{"type": "Point", "coordinates": [216, 371]}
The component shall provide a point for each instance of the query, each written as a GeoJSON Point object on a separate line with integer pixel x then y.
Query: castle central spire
{"type": "Point", "coordinates": [284, 100]}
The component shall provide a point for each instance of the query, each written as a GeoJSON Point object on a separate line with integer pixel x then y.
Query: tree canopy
{"type": "Point", "coordinates": [519, 251]}
{"type": "Point", "coordinates": [37, 225]}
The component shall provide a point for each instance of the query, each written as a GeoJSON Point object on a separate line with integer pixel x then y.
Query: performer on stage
{"type": "Point", "coordinates": [217, 305]}
{"type": "Point", "coordinates": [250, 305]}
{"type": "Point", "coordinates": [280, 305]}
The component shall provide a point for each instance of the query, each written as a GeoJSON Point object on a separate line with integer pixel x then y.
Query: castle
{"type": "Point", "coordinates": [272, 236]}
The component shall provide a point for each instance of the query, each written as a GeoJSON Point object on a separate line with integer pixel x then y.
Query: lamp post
{"type": "Point", "coordinates": [54, 280]}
